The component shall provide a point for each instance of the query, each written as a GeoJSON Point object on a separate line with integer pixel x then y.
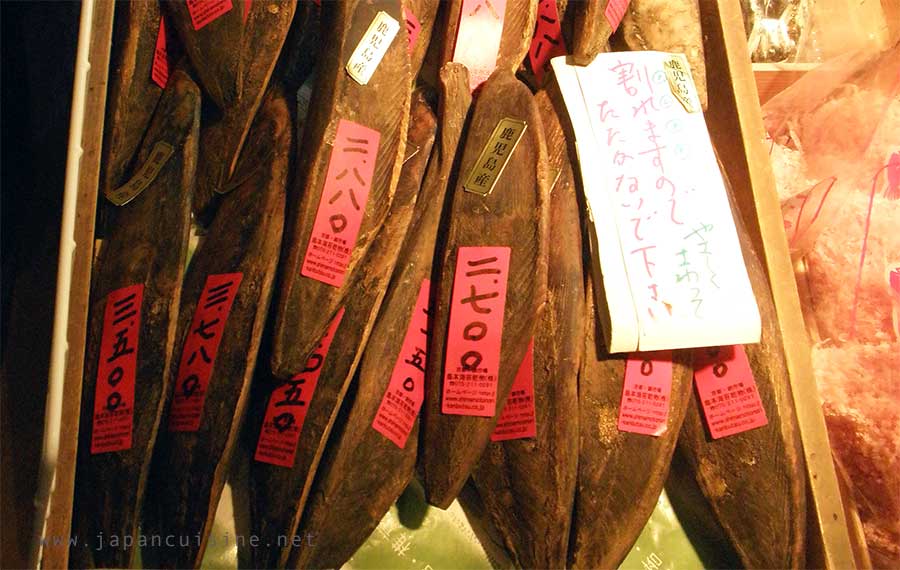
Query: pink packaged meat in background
{"type": "Point", "coordinates": [835, 152]}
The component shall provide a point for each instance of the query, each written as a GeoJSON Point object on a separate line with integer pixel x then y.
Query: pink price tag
{"type": "Point", "coordinates": [645, 396]}
{"type": "Point", "coordinates": [162, 65]}
{"type": "Point", "coordinates": [289, 404]}
{"type": "Point", "coordinates": [343, 203]}
{"type": "Point", "coordinates": [406, 391]}
{"type": "Point", "coordinates": [200, 348]}
{"type": "Point", "coordinates": [894, 280]}
{"type": "Point", "coordinates": [517, 419]}
{"type": "Point", "coordinates": [205, 11]}
{"type": "Point", "coordinates": [548, 41]}
{"type": "Point", "coordinates": [413, 27]}
{"type": "Point", "coordinates": [478, 38]}
{"type": "Point", "coordinates": [474, 336]}
{"type": "Point", "coordinates": [727, 390]}
{"type": "Point", "coordinates": [615, 11]}
{"type": "Point", "coordinates": [114, 393]}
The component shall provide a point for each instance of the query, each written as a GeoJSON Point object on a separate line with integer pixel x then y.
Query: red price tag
{"type": "Point", "coordinates": [406, 391]}
{"type": "Point", "coordinates": [247, 4]}
{"type": "Point", "coordinates": [343, 203]}
{"type": "Point", "coordinates": [645, 396]}
{"type": "Point", "coordinates": [472, 361]}
{"type": "Point", "coordinates": [615, 11]}
{"type": "Point", "coordinates": [727, 390]}
{"type": "Point", "coordinates": [548, 41]}
{"type": "Point", "coordinates": [478, 38]}
{"type": "Point", "coordinates": [200, 348]}
{"type": "Point", "coordinates": [205, 11]}
{"type": "Point", "coordinates": [114, 393]}
{"type": "Point", "coordinates": [162, 65]}
{"type": "Point", "coordinates": [289, 404]}
{"type": "Point", "coordinates": [517, 419]}
{"type": "Point", "coordinates": [413, 27]}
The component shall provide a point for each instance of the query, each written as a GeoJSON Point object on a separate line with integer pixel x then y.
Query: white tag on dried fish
{"type": "Point", "coordinates": [147, 173]}
{"type": "Point", "coordinates": [372, 47]}
{"type": "Point", "coordinates": [681, 82]}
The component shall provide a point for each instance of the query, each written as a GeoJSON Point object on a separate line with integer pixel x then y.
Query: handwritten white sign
{"type": "Point", "coordinates": [671, 270]}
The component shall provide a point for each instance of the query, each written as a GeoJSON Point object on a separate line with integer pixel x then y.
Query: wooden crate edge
{"type": "Point", "coordinates": [735, 122]}
{"type": "Point", "coordinates": [52, 548]}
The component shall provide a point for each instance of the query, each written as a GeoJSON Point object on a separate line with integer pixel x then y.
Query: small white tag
{"type": "Point", "coordinates": [145, 176]}
{"type": "Point", "coordinates": [672, 270]}
{"type": "Point", "coordinates": [372, 47]}
{"type": "Point", "coordinates": [681, 82]}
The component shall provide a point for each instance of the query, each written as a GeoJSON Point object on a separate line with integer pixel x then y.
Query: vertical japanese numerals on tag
{"type": "Point", "coordinates": [474, 336]}
{"type": "Point", "coordinates": [116, 370]}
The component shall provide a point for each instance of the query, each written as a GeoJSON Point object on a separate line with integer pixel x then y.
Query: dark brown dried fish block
{"type": "Point", "coordinates": [301, 47]}
{"type": "Point", "coordinates": [620, 474]}
{"type": "Point", "coordinates": [223, 133]}
{"type": "Point", "coordinates": [190, 467]}
{"type": "Point", "coordinates": [755, 481]}
{"type": "Point", "coordinates": [591, 30]}
{"type": "Point", "coordinates": [132, 95]}
{"type": "Point", "coordinates": [214, 48]}
{"type": "Point", "coordinates": [514, 215]}
{"type": "Point", "coordinates": [668, 25]}
{"type": "Point", "coordinates": [362, 473]}
{"type": "Point", "coordinates": [305, 305]}
{"type": "Point", "coordinates": [528, 485]}
{"type": "Point", "coordinates": [279, 494]}
{"type": "Point", "coordinates": [425, 12]}
{"type": "Point", "coordinates": [147, 245]}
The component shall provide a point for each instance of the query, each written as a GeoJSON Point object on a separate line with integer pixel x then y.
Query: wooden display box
{"type": "Point", "coordinates": [735, 125]}
{"type": "Point", "coordinates": [773, 78]}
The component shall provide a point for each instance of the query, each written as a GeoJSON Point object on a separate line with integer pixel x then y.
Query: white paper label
{"type": "Point", "coordinates": [672, 271]}
{"type": "Point", "coordinates": [372, 47]}
{"type": "Point", "coordinates": [478, 38]}
{"type": "Point", "coordinates": [681, 82]}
